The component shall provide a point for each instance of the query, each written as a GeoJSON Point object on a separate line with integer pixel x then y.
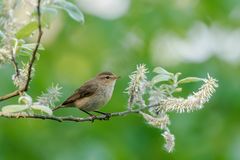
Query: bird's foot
{"type": "Point", "coordinates": [107, 116]}
{"type": "Point", "coordinates": [92, 118]}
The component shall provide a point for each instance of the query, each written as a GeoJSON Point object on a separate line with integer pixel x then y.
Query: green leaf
{"type": "Point", "coordinates": [14, 108]}
{"type": "Point", "coordinates": [189, 80]}
{"type": "Point", "coordinates": [42, 108]}
{"type": "Point", "coordinates": [27, 30]}
{"type": "Point", "coordinates": [72, 10]}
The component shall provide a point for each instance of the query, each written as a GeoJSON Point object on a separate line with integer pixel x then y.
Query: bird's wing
{"type": "Point", "coordinates": [85, 90]}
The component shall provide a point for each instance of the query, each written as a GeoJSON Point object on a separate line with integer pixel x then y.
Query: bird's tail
{"type": "Point", "coordinates": [58, 107]}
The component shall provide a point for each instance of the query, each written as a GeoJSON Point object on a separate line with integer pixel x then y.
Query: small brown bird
{"type": "Point", "coordinates": [93, 94]}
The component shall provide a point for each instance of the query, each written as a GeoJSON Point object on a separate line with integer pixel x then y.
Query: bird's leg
{"type": "Point", "coordinates": [107, 115]}
{"type": "Point", "coordinates": [91, 115]}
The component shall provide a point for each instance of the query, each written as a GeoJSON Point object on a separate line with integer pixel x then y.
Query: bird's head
{"type": "Point", "coordinates": [106, 78]}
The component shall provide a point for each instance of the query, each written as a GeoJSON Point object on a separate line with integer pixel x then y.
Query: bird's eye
{"type": "Point", "coordinates": [107, 77]}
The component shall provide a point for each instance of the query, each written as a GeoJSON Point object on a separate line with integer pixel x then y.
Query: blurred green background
{"type": "Point", "coordinates": [194, 37]}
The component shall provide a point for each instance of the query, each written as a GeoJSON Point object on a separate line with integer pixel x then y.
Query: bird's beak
{"type": "Point", "coordinates": [117, 77]}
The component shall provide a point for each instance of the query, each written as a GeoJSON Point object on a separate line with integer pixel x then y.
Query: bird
{"type": "Point", "coordinates": [93, 94]}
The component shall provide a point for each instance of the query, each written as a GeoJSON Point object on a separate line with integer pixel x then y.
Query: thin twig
{"type": "Point", "coordinates": [14, 62]}
{"type": "Point", "coordinates": [74, 119]}
{"type": "Point", "coordinates": [40, 32]}
{"type": "Point", "coordinates": [10, 95]}
{"type": "Point", "coordinates": [32, 60]}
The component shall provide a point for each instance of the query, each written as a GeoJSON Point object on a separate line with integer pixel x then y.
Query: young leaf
{"type": "Point", "coordinates": [1, 34]}
{"type": "Point", "coordinates": [31, 46]}
{"type": "Point", "coordinates": [72, 10]}
{"type": "Point", "coordinates": [48, 14]}
{"type": "Point", "coordinates": [26, 99]}
{"type": "Point", "coordinates": [24, 52]}
{"type": "Point", "coordinates": [27, 30]}
{"type": "Point", "coordinates": [175, 77]}
{"type": "Point", "coordinates": [14, 108]}
{"type": "Point", "coordinates": [178, 90]}
{"type": "Point", "coordinates": [160, 78]}
{"type": "Point", "coordinates": [42, 108]}
{"type": "Point", "coordinates": [189, 80]}
{"type": "Point", "coordinates": [160, 70]}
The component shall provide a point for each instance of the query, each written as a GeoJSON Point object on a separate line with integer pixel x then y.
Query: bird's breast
{"type": "Point", "coordinates": [104, 95]}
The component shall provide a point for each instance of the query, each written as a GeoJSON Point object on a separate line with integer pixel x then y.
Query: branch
{"type": "Point", "coordinates": [74, 119]}
{"type": "Point", "coordinates": [32, 60]}
{"type": "Point", "coordinates": [40, 32]}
